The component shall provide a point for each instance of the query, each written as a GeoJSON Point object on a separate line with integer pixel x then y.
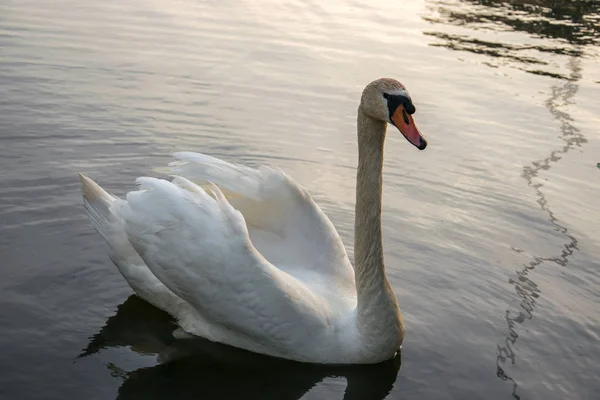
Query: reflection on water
{"type": "Point", "coordinates": [504, 52]}
{"type": "Point", "coordinates": [197, 368]}
{"type": "Point", "coordinates": [576, 24]}
{"type": "Point", "coordinates": [577, 21]}
{"type": "Point", "coordinates": [526, 288]}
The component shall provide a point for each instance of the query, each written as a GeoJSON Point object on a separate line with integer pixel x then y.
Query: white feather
{"type": "Point", "coordinates": [244, 257]}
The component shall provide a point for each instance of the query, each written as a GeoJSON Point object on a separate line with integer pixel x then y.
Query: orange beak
{"type": "Point", "coordinates": [406, 125]}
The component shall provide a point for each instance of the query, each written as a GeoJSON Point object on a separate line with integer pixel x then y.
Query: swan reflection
{"type": "Point", "coordinates": [197, 368]}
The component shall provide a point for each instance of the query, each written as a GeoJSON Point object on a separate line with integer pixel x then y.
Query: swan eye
{"type": "Point", "coordinates": [405, 116]}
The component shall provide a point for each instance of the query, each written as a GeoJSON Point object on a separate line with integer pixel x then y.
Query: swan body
{"type": "Point", "coordinates": [245, 257]}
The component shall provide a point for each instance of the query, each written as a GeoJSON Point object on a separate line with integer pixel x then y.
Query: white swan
{"type": "Point", "coordinates": [245, 257]}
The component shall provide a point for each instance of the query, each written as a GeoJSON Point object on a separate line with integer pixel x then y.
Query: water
{"type": "Point", "coordinates": [491, 234]}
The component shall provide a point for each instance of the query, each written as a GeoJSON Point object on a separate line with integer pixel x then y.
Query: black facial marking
{"type": "Point", "coordinates": [396, 100]}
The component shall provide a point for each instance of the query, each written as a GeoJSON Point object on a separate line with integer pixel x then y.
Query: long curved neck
{"type": "Point", "coordinates": [377, 306]}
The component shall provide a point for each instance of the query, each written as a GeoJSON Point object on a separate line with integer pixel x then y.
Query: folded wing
{"type": "Point", "coordinates": [198, 246]}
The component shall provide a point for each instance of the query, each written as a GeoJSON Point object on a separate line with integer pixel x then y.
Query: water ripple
{"type": "Point", "coordinates": [526, 289]}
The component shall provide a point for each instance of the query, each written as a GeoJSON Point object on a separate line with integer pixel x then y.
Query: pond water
{"type": "Point", "coordinates": [491, 235]}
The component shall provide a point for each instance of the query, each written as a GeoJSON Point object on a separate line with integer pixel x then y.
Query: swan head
{"type": "Point", "coordinates": [388, 100]}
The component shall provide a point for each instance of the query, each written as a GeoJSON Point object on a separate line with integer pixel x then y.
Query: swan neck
{"type": "Point", "coordinates": [368, 248]}
{"type": "Point", "coordinates": [377, 305]}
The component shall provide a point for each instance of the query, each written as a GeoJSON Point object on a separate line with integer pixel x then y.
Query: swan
{"type": "Point", "coordinates": [245, 257]}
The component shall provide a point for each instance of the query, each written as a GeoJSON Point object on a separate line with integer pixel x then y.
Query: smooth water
{"type": "Point", "coordinates": [491, 234]}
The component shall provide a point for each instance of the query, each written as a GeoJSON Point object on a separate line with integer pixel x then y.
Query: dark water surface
{"type": "Point", "coordinates": [492, 235]}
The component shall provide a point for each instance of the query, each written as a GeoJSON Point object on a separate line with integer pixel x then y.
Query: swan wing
{"type": "Point", "coordinates": [198, 246]}
{"type": "Point", "coordinates": [285, 224]}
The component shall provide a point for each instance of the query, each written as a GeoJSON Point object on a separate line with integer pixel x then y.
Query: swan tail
{"type": "Point", "coordinates": [98, 204]}
{"type": "Point", "coordinates": [104, 212]}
